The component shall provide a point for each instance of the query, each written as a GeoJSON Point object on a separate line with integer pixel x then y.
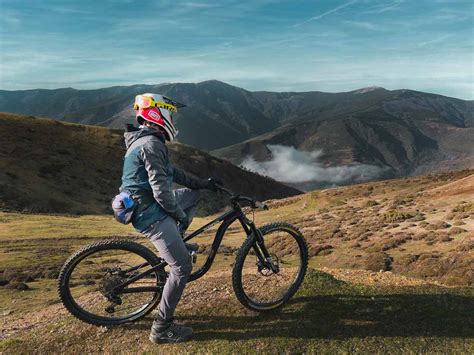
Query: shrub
{"type": "Point", "coordinates": [445, 238]}
{"type": "Point", "coordinates": [51, 169]}
{"type": "Point", "coordinates": [371, 203]}
{"type": "Point", "coordinates": [395, 242]}
{"type": "Point", "coordinates": [407, 259]}
{"type": "Point", "coordinates": [403, 200]}
{"type": "Point", "coordinates": [15, 276]}
{"type": "Point", "coordinates": [464, 207]}
{"type": "Point", "coordinates": [438, 225]}
{"type": "Point", "coordinates": [315, 250]}
{"type": "Point", "coordinates": [17, 285]}
{"type": "Point", "coordinates": [396, 216]}
{"type": "Point", "coordinates": [418, 217]}
{"type": "Point", "coordinates": [457, 230]}
{"type": "Point", "coordinates": [378, 261]}
{"type": "Point", "coordinates": [56, 206]}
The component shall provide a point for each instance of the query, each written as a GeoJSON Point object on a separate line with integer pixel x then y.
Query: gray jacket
{"type": "Point", "coordinates": [149, 175]}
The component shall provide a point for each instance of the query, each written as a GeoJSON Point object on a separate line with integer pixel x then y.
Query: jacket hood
{"type": "Point", "coordinates": [135, 133]}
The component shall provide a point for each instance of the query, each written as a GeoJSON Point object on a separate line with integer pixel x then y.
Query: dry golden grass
{"type": "Point", "coordinates": [343, 229]}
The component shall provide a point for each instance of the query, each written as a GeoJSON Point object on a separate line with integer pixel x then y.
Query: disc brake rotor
{"type": "Point", "coordinates": [267, 270]}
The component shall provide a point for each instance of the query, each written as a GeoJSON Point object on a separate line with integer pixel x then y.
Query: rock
{"type": "Point", "coordinates": [102, 330]}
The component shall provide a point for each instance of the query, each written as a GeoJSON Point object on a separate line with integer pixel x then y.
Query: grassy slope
{"type": "Point", "coordinates": [50, 166]}
{"type": "Point", "coordinates": [327, 315]}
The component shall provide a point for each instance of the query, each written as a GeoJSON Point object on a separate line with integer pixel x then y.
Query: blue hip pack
{"type": "Point", "coordinates": [124, 206]}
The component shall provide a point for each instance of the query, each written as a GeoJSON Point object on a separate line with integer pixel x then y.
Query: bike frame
{"type": "Point", "coordinates": [226, 220]}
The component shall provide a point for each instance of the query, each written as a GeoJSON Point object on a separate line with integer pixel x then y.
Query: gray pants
{"type": "Point", "coordinates": [167, 239]}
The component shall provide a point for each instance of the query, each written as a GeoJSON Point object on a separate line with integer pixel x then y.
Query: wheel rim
{"type": "Point", "coordinates": [95, 274]}
{"type": "Point", "coordinates": [267, 288]}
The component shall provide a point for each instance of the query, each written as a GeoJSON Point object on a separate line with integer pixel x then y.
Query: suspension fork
{"type": "Point", "coordinates": [259, 248]}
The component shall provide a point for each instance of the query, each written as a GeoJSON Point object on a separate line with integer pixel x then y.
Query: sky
{"type": "Point", "coordinates": [332, 46]}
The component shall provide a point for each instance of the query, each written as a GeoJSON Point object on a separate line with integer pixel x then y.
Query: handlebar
{"type": "Point", "coordinates": [238, 198]}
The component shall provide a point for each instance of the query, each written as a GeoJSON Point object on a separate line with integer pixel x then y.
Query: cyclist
{"type": "Point", "coordinates": [162, 215]}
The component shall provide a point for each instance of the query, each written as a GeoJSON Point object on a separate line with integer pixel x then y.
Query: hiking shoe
{"type": "Point", "coordinates": [192, 246]}
{"type": "Point", "coordinates": [175, 333]}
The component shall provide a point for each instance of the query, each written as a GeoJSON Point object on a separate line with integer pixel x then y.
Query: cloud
{"type": "Point", "coordinates": [436, 40]}
{"type": "Point", "coordinates": [198, 5]}
{"type": "Point", "coordinates": [69, 10]}
{"type": "Point", "coordinates": [293, 166]}
{"type": "Point", "coordinates": [363, 24]}
{"type": "Point", "coordinates": [326, 13]}
{"type": "Point", "coordinates": [257, 46]}
{"type": "Point", "coordinates": [385, 7]}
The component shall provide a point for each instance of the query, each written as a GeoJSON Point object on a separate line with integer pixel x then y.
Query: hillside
{"type": "Point", "coordinates": [391, 271]}
{"type": "Point", "coordinates": [50, 166]}
{"type": "Point", "coordinates": [401, 132]}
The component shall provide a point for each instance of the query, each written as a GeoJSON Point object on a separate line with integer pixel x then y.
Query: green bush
{"type": "Point", "coordinates": [371, 203]}
{"type": "Point", "coordinates": [396, 216]}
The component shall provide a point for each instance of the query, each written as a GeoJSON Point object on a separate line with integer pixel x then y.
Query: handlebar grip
{"type": "Point", "coordinates": [223, 189]}
{"type": "Point", "coordinates": [261, 205]}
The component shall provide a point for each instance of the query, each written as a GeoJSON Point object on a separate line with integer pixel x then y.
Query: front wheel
{"type": "Point", "coordinates": [263, 285]}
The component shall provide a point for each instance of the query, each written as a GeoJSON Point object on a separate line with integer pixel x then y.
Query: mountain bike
{"type": "Point", "coordinates": [116, 281]}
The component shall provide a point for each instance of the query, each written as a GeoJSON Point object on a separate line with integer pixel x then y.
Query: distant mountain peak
{"type": "Point", "coordinates": [368, 89]}
{"type": "Point", "coordinates": [215, 83]}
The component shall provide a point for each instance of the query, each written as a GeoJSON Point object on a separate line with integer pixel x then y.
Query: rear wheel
{"type": "Point", "coordinates": [266, 285]}
{"type": "Point", "coordinates": [89, 277]}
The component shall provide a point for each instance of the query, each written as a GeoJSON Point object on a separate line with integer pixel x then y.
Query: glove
{"type": "Point", "coordinates": [214, 184]}
{"type": "Point", "coordinates": [183, 225]}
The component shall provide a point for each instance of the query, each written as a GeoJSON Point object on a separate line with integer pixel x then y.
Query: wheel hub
{"type": "Point", "coordinates": [109, 283]}
{"type": "Point", "coordinates": [270, 267]}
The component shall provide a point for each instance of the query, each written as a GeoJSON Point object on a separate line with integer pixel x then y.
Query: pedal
{"type": "Point", "coordinates": [192, 247]}
{"type": "Point", "coordinates": [193, 256]}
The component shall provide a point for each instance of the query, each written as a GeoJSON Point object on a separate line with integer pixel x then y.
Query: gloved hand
{"type": "Point", "coordinates": [214, 184]}
{"type": "Point", "coordinates": [183, 225]}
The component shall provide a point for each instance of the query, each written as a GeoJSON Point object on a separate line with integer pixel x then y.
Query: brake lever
{"type": "Point", "coordinates": [260, 205]}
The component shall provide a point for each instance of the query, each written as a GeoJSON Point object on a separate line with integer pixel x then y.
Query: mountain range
{"type": "Point", "coordinates": [401, 132]}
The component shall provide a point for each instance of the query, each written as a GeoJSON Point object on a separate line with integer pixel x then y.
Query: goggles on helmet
{"type": "Point", "coordinates": [142, 102]}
